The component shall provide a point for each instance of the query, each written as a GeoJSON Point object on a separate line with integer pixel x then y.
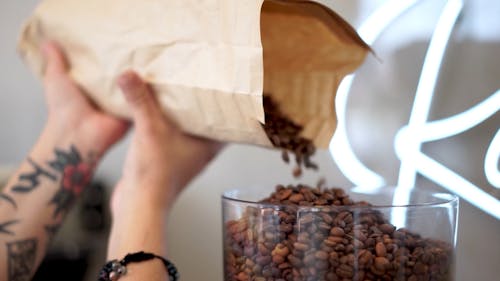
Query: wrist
{"type": "Point", "coordinates": [53, 137]}
{"type": "Point", "coordinates": [137, 228]}
{"type": "Point", "coordinates": [153, 197]}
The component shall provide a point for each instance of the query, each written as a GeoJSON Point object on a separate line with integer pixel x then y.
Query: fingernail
{"type": "Point", "coordinates": [44, 47]}
{"type": "Point", "coordinates": [129, 81]}
{"type": "Point", "coordinates": [48, 46]}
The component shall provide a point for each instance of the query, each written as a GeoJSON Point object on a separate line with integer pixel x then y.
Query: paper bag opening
{"type": "Point", "coordinates": [308, 49]}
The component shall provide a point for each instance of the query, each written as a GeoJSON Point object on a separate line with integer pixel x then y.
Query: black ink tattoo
{"type": "Point", "coordinates": [51, 230]}
{"type": "Point", "coordinates": [9, 199]}
{"type": "Point", "coordinates": [21, 259]}
{"type": "Point", "coordinates": [76, 175]}
{"type": "Point", "coordinates": [4, 227]}
{"type": "Point", "coordinates": [68, 166]}
{"type": "Point", "coordinates": [64, 159]}
{"type": "Point", "coordinates": [30, 181]}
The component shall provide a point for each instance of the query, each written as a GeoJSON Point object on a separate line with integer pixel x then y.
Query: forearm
{"type": "Point", "coordinates": [140, 227]}
{"type": "Point", "coordinates": [160, 163]}
{"type": "Point", "coordinates": [36, 199]}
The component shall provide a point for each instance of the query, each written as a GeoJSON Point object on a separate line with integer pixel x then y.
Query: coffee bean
{"type": "Point", "coordinates": [263, 260]}
{"type": "Point", "coordinates": [365, 258]}
{"type": "Point", "coordinates": [381, 263]}
{"type": "Point", "coordinates": [296, 262]}
{"type": "Point", "coordinates": [337, 231]}
{"type": "Point", "coordinates": [357, 244]}
{"type": "Point", "coordinates": [242, 276]}
{"type": "Point", "coordinates": [297, 172]}
{"type": "Point", "coordinates": [284, 156]}
{"type": "Point", "coordinates": [345, 271]}
{"type": "Point", "coordinates": [281, 250]}
{"type": "Point", "coordinates": [277, 259]}
{"type": "Point", "coordinates": [300, 246]}
{"type": "Point", "coordinates": [296, 198]}
{"type": "Point", "coordinates": [387, 228]}
{"type": "Point", "coordinates": [335, 240]}
{"type": "Point", "coordinates": [285, 194]}
{"type": "Point", "coordinates": [380, 249]}
{"type": "Point", "coordinates": [420, 268]}
{"type": "Point", "coordinates": [321, 255]}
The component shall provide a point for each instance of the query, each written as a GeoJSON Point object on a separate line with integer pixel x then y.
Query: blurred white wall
{"type": "Point", "coordinates": [195, 226]}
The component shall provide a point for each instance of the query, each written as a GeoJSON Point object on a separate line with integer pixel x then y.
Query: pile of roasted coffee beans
{"type": "Point", "coordinates": [331, 241]}
{"type": "Point", "coordinates": [285, 134]}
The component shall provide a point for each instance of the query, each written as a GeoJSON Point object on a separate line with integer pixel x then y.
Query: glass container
{"type": "Point", "coordinates": [371, 240]}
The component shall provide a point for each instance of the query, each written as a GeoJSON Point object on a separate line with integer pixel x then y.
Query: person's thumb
{"type": "Point", "coordinates": [139, 97]}
{"type": "Point", "coordinates": [56, 64]}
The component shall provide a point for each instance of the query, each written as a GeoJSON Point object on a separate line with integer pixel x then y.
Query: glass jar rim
{"type": "Point", "coordinates": [438, 199]}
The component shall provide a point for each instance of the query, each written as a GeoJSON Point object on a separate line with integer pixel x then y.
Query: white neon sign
{"type": "Point", "coordinates": [491, 160]}
{"type": "Point", "coordinates": [340, 147]}
{"type": "Point", "coordinates": [410, 138]}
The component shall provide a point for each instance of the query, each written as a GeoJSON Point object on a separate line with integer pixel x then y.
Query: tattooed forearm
{"type": "Point", "coordinates": [21, 259]}
{"type": "Point", "coordinates": [29, 181]}
{"type": "Point", "coordinates": [4, 227]}
{"type": "Point", "coordinates": [44, 191]}
{"type": "Point", "coordinates": [75, 176]}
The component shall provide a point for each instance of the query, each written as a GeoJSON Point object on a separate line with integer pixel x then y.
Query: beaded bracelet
{"type": "Point", "coordinates": [114, 269]}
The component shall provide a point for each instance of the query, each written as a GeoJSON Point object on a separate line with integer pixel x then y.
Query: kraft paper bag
{"type": "Point", "coordinates": [208, 61]}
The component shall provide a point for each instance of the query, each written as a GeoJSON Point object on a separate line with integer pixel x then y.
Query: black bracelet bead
{"type": "Point", "coordinates": [114, 269]}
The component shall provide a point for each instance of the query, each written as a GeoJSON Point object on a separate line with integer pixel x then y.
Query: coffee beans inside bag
{"type": "Point", "coordinates": [209, 62]}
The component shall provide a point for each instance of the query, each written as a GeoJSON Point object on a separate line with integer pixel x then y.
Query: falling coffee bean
{"type": "Point", "coordinates": [285, 134]}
